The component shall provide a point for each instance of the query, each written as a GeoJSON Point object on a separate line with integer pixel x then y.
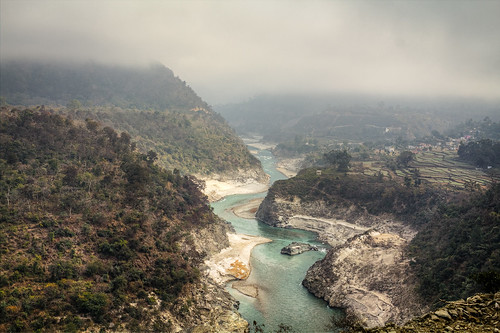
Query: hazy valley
{"type": "Point", "coordinates": [110, 230]}
{"type": "Point", "coordinates": [315, 166]}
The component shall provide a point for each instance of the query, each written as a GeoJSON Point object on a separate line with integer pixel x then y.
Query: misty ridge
{"type": "Point", "coordinates": [358, 118]}
{"type": "Point", "coordinates": [158, 110]}
{"type": "Point", "coordinates": [275, 117]}
{"type": "Point", "coordinates": [91, 83]}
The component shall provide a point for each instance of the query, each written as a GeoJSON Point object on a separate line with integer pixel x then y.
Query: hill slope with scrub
{"type": "Point", "coordinates": [157, 109]}
{"type": "Point", "coordinates": [94, 234]}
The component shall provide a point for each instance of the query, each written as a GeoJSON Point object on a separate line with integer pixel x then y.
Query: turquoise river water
{"type": "Point", "coordinates": [282, 298]}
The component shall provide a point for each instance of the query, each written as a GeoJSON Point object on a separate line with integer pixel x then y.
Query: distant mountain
{"type": "Point", "coordinates": [95, 236]}
{"type": "Point", "coordinates": [327, 118]}
{"type": "Point", "coordinates": [157, 109]}
{"type": "Point", "coordinates": [154, 87]}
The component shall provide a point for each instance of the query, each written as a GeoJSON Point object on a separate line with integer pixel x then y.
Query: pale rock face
{"type": "Point", "coordinates": [368, 277]}
{"type": "Point", "coordinates": [366, 271]}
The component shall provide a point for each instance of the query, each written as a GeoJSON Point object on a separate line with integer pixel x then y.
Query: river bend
{"type": "Point", "coordinates": [282, 298]}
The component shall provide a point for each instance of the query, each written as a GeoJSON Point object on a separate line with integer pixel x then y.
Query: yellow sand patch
{"type": "Point", "coordinates": [239, 270]}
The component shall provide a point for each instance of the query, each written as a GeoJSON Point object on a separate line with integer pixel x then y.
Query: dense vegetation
{"type": "Point", "coordinates": [192, 142]}
{"type": "Point", "coordinates": [374, 193]}
{"type": "Point", "coordinates": [88, 226]}
{"type": "Point", "coordinates": [458, 252]}
{"type": "Point", "coordinates": [158, 110]}
{"type": "Point", "coordinates": [484, 153]}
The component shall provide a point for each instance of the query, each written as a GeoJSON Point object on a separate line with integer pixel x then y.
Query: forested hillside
{"type": "Point", "coordinates": [158, 110]}
{"type": "Point", "coordinates": [458, 252]}
{"type": "Point", "coordinates": [193, 142]}
{"type": "Point", "coordinates": [93, 233]}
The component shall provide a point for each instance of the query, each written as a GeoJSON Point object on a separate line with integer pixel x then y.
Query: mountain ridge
{"type": "Point", "coordinates": [158, 110]}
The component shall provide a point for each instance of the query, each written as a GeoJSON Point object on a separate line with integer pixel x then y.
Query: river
{"type": "Point", "coordinates": [282, 299]}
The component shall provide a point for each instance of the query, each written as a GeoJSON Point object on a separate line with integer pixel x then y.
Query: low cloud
{"type": "Point", "coordinates": [230, 50]}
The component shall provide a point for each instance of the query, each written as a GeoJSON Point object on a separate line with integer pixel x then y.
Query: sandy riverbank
{"type": "Point", "coordinates": [288, 173]}
{"type": "Point", "coordinates": [234, 262]}
{"type": "Point", "coordinates": [247, 210]}
{"type": "Point", "coordinates": [215, 190]}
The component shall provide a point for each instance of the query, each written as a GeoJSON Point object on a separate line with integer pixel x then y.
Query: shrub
{"type": "Point", "coordinates": [96, 267]}
{"type": "Point", "coordinates": [94, 304]}
{"type": "Point", "coordinates": [62, 270]}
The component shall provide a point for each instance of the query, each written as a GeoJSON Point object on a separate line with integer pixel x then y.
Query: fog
{"type": "Point", "coordinates": [232, 50]}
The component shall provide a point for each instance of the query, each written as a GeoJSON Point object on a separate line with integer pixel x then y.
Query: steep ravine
{"type": "Point", "coordinates": [366, 272]}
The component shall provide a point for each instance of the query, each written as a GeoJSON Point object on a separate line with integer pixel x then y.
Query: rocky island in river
{"type": "Point", "coordinates": [295, 248]}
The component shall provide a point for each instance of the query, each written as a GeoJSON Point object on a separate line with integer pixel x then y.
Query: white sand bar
{"type": "Point", "coordinates": [234, 262]}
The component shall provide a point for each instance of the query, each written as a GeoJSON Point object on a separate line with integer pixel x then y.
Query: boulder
{"type": "Point", "coordinates": [297, 248]}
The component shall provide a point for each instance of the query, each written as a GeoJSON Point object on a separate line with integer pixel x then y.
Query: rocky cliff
{"type": "Point", "coordinates": [212, 308]}
{"type": "Point", "coordinates": [477, 314]}
{"type": "Point", "coordinates": [333, 223]}
{"type": "Point", "coordinates": [366, 271]}
{"type": "Point", "coordinates": [368, 276]}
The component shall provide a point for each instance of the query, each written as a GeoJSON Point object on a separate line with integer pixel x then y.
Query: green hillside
{"type": "Point", "coordinates": [88, 227]}
{"type": "Point", "coordinates": [158, 110]}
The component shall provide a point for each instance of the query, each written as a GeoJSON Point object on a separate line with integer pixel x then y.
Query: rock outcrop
{"type": "Point", "coordinates": [206, 306]}
{"type": "Point", "coordinates": [366, 271]}
{"type": "Point", "coordinates": [295, 248]}
{"type": "Point", "coordinates": [476, 314]}
{"type": "Point", "coordinates": [333, 223]}
{"type": "Point", "coordinates": [368, 276]}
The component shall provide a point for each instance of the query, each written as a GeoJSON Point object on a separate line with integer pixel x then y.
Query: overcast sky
{"type": "Point", "coordinates": [231, 50]}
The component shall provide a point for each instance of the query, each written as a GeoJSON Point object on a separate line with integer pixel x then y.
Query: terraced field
{"type": "Point", "coordinates": [440, 167]}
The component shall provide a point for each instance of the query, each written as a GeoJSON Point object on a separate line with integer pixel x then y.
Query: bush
{"type": "Point", "coordinates": [96, 267]}
{"type": "Point", "coordinates": [62, 270]}
{"type": "Point", "coordinates": [94, 304]}
{"type": "Point", "coordinates": [118, 249]}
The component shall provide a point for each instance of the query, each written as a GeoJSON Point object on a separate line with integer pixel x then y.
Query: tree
{"type": "Point", "coordinates": [404, 158]}
{"type": "Point", "coordinates": [74, 105]}
{"type": "Point", "coordinates": [340, 158]}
